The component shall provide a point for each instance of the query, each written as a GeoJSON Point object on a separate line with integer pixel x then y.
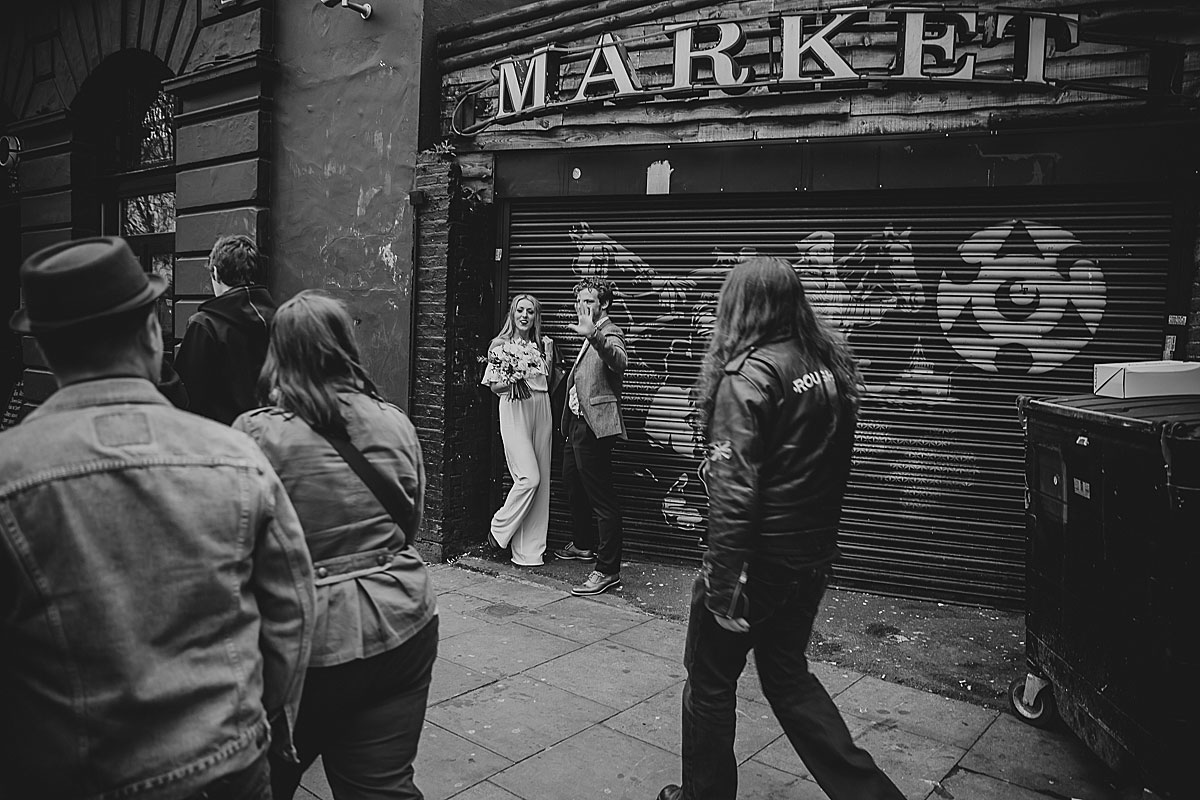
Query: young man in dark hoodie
{"type": "Point", "coordinates": [225, 343]}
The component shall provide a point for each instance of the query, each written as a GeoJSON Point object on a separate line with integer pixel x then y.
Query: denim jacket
{"type": "Point", "coordinates": [156, 599]}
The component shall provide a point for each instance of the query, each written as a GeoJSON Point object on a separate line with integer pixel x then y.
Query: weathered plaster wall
{"type": "Point", "coordinates": [346, 108]}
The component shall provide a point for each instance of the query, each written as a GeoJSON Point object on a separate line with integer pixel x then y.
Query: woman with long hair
{"type": "Point", "coordinates": [760, 301]}
{"type": "Point", "coordinates": [376, 635]}
{"type": "Point", "coordinates": [520, 370]}
{"type": "Point", "coordinates": [778, 393]}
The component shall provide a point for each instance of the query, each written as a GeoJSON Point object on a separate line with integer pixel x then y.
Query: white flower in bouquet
{"type": "Point", "coordinates": [513, 362]}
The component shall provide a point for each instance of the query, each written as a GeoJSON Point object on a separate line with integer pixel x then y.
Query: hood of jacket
{"type": "Point", "coordinates": [243, 306]}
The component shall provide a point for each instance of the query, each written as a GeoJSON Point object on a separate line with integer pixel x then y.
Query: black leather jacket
{"type": "Point", "coordinates": [780, 439]}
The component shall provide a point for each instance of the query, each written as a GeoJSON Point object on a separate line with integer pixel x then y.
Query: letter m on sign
{"type": "Point", "coordinates": [526, 87]}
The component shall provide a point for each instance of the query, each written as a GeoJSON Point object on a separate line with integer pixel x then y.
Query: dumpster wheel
{"type": "Point", "coordinates": [1042, 712]}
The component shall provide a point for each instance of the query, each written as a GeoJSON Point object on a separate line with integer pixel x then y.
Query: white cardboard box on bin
{"type": "Point", "coordinates": [1146, 378]}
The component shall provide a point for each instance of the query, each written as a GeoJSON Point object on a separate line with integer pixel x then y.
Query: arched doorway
{"type": "Point", "coordinates": [124, 133]}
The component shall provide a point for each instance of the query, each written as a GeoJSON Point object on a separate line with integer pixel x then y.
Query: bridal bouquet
{"type": "Point", "coordinates": [513, 362]}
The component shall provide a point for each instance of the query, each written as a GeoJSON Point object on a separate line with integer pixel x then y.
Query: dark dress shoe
{"type": "Point", "coordinates": [671, 792]}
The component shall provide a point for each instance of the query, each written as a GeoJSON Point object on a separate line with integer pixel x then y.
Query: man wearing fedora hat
{"type": "Point", "coordinates": [156, 594]}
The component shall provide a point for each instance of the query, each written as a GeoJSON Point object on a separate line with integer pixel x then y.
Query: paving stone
{"type": "Point", "coordinates": [658, 721]}
{"type": "Point", "coordinates": [835, 679]}
{"type": "Point", "coordinates": [502, 650]}
{"type": "Point", "coordinates": [597, 764]}
{"type": "Point", "coordinates": [454, 614]}
{"type": "Point", "coordinates": [767, 783]}
{"type": "Point", "coordinates": [517, 717]}
{"type": "Point", "coordinates": [498, 613]}
{"type": "Point", "coordinates": [315, 782]}
{"type": "Point", "coordinates": [913, 762]}
{"type": "Point", "coordinates": [659, 637]}
{"type": "Point", "coordinates": [973, 786]}
{"type": "Point", "coordinates": [950, 721]}
{"type": "Point", "coordinates": [749, 686]}
{"type": "Point", "coordinates": [610, 673]}
{"type": "Point", "coordinates": [447, 764]}
{"type": "Point", "coordinates": [486, 791]}
{"type": "Point", "coordinates": [1043, 761]}
{"type": "Point", "coordinates": [580, 620]}
{"type": "Point", "coordinates": [515, 593]}
{"type": "Point", "coordinates": [449, 578]}
{"type": "Point", "coordinates": [451, 679]}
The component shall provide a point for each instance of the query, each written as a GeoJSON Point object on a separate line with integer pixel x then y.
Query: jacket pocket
{"type": "Point", "coordinates": [602, 399]}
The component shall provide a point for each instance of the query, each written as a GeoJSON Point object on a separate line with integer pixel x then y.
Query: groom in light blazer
{"type": "Point", "coordinates": [592, 421]}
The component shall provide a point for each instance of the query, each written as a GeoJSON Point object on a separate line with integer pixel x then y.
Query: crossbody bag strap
{"type": "Point", "coordinates": [391, 497]}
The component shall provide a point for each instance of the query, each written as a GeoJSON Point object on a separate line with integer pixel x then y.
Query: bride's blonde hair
{"type": "Point", "coordinates": [509, 330]}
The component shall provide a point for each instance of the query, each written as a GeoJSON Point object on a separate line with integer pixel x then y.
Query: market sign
{"type": "Point", "coordinates": [800, 51]}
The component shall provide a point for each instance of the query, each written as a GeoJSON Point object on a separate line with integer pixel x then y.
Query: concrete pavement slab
{"type": "Point", "coordinates": [486, 791]}
{"type": "Point", "coordinates": [600, 653]}
{"type": "Point", "coordinates": [505, 649]}
{"type": "Point", "coordinates": [515, 592]}
{"type": "Point", "coordinates": [609, 673]}
{"type": "Point", "coordinates": [950, 721]}
{"type": "Point", "coordinates": [658, 720]}
{"type": "Point", "coordinates": [1044, 761]}
{"type": "Point", "coordinates": [659, 637]}
{"type": "Point", "coordinates": [761, 782]}
{"type": "Point", "coordinates": [835, 679]}
{"type": "Point", "coordinates": [449, 578]}
{"type": "Point", "coordinates": [913, 762]}
{"type": "Point", "coordinates": [315, 783]}
{"type": "Point", "coordinates": [448, 764]}
{"type": "Point", "coordinates": [581, 620]}
{"type": "Point", "coordinates": [967, 784]}
{"type": "Point", "coordinates": [451, 679]}
{"type": "Point", "coordinates": [455, 614]}
{"type": "Point", "coordinates": [598, 764]}
{"type": "Point", "coordinates": [517, 717]}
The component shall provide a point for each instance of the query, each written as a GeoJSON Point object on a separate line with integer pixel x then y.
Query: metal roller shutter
{"type": "Point", "coordinates": [953, 309]}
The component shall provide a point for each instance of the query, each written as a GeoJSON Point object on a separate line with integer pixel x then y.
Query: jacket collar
{"type": "Point", "coordinates": [101, 392]}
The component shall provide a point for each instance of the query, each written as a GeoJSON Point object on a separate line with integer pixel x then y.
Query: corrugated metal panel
{"type": "Point", "coordinates": [953, 309]}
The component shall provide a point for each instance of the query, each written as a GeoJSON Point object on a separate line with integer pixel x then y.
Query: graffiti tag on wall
{"type": "Point", "coordinates": [1016, 297]}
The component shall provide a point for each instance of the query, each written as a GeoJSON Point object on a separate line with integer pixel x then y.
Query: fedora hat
{"type": "Point", "coordinates": [79, 281]}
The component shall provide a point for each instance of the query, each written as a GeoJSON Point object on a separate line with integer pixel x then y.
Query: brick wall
{"type": "Point", "coordinates": [454, 306]}
{"type": "Point", "coordinates": [1192, 350]}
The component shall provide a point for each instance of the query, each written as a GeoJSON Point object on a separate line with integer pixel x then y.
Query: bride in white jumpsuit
{"type": "Point", "coordinates": [525, 428]}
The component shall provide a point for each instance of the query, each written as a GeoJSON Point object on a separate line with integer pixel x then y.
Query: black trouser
{"type": "Point", "coordinates": [781, 618]}
{"type": "Point", "coordinates": [364, 719]}
{"type": "Point", "coordinates": [595, 508]}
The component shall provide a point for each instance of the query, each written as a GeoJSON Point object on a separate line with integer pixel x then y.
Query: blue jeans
{"type": "Point", "coordinates": [364, 718]}
{"type": "Point", "coordinates": [781, 614]}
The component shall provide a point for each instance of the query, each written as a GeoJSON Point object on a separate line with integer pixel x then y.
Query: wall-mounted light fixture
{"type": "Point", "coordinates": [362, 8]}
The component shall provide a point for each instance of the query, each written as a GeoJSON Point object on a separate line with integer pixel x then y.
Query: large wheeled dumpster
{"type": "Point", "coordinates": [1112, 585]}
